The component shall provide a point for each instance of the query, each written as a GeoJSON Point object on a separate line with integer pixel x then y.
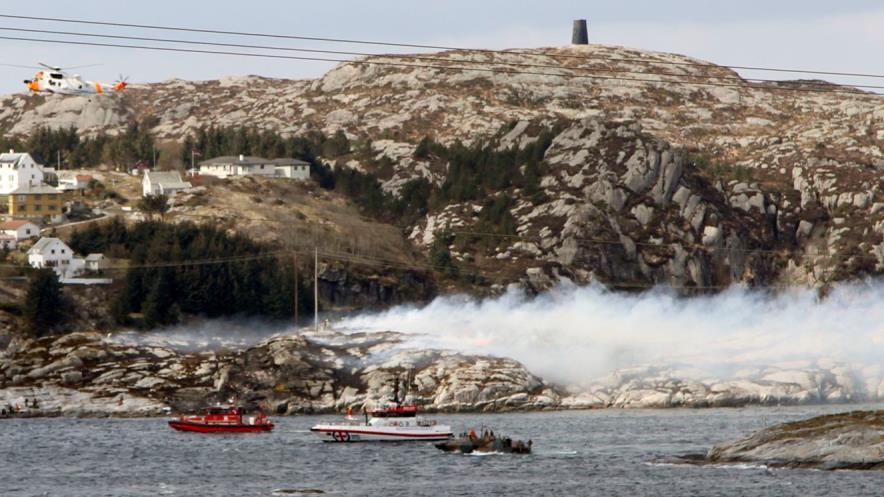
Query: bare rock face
{"type": "Point", "coordinates": [853, 441]}
{"type": "Point", "coordinates": [695, 186]}
{"type": "Point", "coordinates": [663, 388]}
{"type": "Point", "coordinates": [89, 374]}
{"type": "Point", "coordinates": [87, 113]}
{"type": "Point", "coordinates": [85, 374]}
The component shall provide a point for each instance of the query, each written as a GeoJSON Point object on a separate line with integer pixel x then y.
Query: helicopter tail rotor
{"type": "Point", "coordinates": [122, 83]}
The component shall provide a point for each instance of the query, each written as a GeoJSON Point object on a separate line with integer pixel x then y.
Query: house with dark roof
{"type": "Point", "coordinates": [36, 201]}
{"type": "Point", "coordinates": [20, 170]}
{"type": "Point", "coordinates": [163, 183]}
{"type": "Point", "coordinates": [246, 165]}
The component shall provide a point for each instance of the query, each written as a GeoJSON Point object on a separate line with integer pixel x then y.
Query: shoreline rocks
{"type": "Point", "coordinates": [847, 441]}
{"type": "Point", "coordinates": [90, 374]}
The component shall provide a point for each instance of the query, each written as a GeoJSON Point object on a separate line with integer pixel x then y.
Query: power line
{"type": "Point", "coordinates": [417, 57]}
{"type": "Point", "coordinates": [438, 47]}
{"type": "Point", "coordinates": [799, 86]}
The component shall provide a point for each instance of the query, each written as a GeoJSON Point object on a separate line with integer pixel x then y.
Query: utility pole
{"type": "Point", "coordinates": [295, 266]}
{"type": "Point", "coordinates": [58, 160]}
{"type": "Point", "coordinates": [315, 288]}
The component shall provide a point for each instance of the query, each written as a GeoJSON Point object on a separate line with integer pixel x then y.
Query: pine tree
{"type": "Point", "coordinates": [42, 307]}
{"type": "Point", "coordinates": [159, 301]}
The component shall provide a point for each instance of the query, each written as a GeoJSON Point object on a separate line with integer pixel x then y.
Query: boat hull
{"type": "Point", "coordinates": [219, 428]}
{"type": "Point", "coordinates": [345, 434]}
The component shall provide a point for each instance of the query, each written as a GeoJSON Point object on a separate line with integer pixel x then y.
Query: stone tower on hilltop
{"type": "Point", "coordinates": [579, 35]}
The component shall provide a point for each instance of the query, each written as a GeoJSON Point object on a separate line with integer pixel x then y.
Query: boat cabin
{"type": "Point", "coordinates": [395, 412]}
{"type": "Point", "coordinates": [223, 414]}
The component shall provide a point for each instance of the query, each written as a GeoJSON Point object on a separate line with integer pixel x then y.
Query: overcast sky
{"type": "Point", "coordinates": [843, 35]}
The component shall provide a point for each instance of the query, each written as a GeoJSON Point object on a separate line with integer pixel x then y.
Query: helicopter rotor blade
{"type": "Point", "coordinates": [20, 66]}
{"type": "Point", "coordinates": [80, 67]}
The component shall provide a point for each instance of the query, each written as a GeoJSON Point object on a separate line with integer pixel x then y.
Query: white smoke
{"type": "Point", "coordinates": [206, 334]}
{"type": "Point", "coordinates": [575, 334]}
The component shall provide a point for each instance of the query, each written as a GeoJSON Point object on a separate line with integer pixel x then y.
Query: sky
{"type": "Point", "coordinates": [810, 34]}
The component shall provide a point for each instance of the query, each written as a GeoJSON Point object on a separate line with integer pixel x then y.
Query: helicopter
{"type": "Point", "coordinates": [55, 80]}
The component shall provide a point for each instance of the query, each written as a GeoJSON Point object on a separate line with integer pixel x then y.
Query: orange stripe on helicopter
{"type": "Point", "coordinates": [98, 87]}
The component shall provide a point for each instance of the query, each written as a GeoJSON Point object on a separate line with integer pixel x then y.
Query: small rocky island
{"type": "Point", "coordinates": [846, 441]}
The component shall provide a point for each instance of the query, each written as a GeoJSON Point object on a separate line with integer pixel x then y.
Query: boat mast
{"type": "Point", "coordinates": [295, 266]}
{"type": "Point", "coordinates": [315, 288]}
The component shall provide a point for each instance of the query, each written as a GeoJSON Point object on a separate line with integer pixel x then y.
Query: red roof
{"type": "Point", "coordinates": [14, 225]}
{"type": "Point", "coordinates": [84, 177]}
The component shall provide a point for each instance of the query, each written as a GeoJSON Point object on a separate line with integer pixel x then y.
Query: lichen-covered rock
{"type": "Point", "coordinates": [645, 167]}
{"type": "Point", "coordinates": [852, 440]}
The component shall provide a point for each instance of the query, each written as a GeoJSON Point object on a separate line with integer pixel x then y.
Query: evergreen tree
{"type": "Point", "coordinates": [422, 151]}
{"type": "Point", "coordinates": [337, 145]}
{"type": "Point", "coordinates": [154, 204]}
{"type": "Point", "coordinates": [42, 308]}
{"type": "Point", "coordinates": [159, 301]}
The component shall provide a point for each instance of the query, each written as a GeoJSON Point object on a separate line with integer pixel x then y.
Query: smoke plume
{"type": "Point", "coordinates": [577, 334]}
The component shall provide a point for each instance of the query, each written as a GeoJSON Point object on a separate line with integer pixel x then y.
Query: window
{"type": "Point", "coordinates": [53, 251]}
{"type": "Point", "coordinates": [28, 231]}
{"type": "Point", "coordinates": [62, 251]}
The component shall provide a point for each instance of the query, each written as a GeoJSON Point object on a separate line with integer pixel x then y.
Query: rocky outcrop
{"type": "Point", "coordinates": [87, 374]}
{"type": "Point", "coordinates": [852, 440]}
{"type": "Point", "coordinates": [662, 388]}
{"type": "Point", "coordinates": [646, 182]}
{"type": "Point", "coordinates": [346, 287]}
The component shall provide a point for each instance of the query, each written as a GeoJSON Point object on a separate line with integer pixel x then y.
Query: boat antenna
{"type": "Point", "coordinates": [396, 392]}
{"type": "Point", "coordinates": [409, 376]}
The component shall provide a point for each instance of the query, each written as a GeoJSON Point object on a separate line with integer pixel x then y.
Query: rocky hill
{"type": "Point", "coordinates": [87, 374]}
{"type": "Point", "coordinates": [131, 374]}
{"type": "Point", "coordinates": [644, 182]}
{"type": "Point", "coordinates": [849, 441]}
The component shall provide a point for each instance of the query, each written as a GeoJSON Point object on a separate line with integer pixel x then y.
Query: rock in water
{"type": "Point", "coordinates": [853, 440]}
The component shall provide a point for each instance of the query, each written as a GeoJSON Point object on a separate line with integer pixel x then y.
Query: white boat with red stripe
{"type": "Point", "coordinates": [390, 424]}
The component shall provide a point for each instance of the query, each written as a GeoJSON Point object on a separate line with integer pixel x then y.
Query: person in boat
{"type": "Point", "coordinates": [34, 403]}
{"type": "Point", "coordinates": [472, 435]}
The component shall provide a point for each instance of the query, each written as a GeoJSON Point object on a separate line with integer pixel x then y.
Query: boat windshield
{"type": "Point", "coordinates": [395, 412]}
{"type": "Point", "coordinates": [221, 410]}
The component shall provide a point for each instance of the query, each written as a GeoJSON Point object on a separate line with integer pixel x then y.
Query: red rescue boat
{"type": "Point", "coordinates": [223, 419]}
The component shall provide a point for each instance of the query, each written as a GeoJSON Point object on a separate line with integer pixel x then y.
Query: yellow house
{"type": "Point", "coordinates": [36, 201]}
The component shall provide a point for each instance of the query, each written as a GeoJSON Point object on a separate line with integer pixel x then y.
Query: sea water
{"type": "Point", "coordinates": [601, 452]}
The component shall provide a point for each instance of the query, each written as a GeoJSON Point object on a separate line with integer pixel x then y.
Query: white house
{"type": "Point", "coordinates": [54, 253]}
{"type": "Point", "coordinates": [77, 182]}
{"type": "Point", "coordinates": [18, 170]}
{"type": "Point", "coordinates": [95, 262]}
{"type": "Point", "coordinates": [291, 168]}
{"type": "Point", "coordinates": [19, 229]}
{"type": "Point", "coordinates": [244, 165]}
{"type": "Point", "coordinates": [163, 183]}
